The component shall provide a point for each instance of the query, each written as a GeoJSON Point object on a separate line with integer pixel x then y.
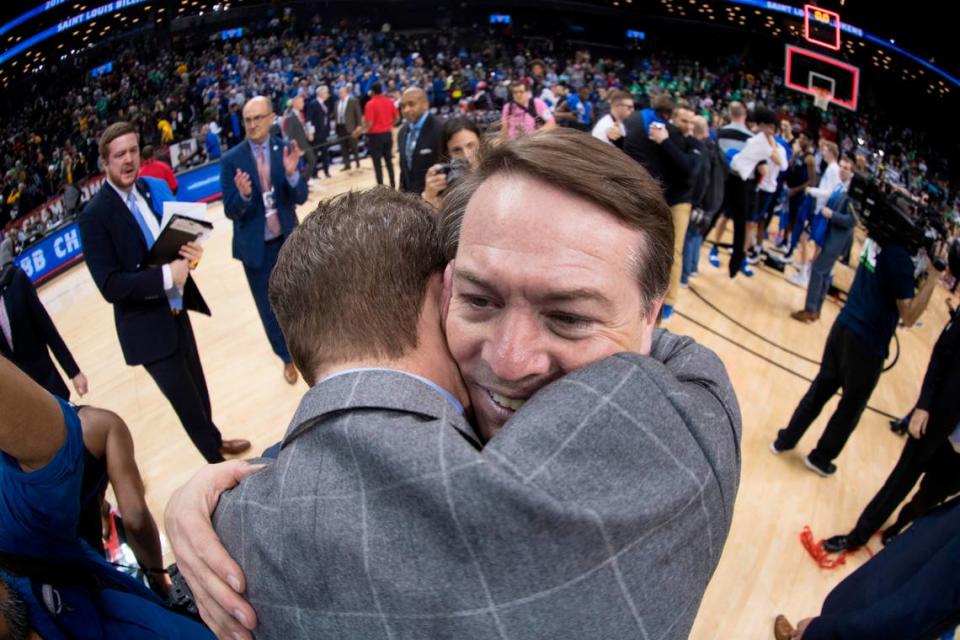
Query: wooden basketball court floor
{"type": "Point", "coordinates": [764, 569]}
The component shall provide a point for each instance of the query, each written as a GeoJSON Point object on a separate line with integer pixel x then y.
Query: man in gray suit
{"type": "Point", "coordinates": [349, 125]}
{"type": "Point", "coordinates": [600, 507]}
{"type": "Point", "coordinates": [840, 223]}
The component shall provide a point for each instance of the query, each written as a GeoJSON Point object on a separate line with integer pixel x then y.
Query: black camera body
{"type": "Point", "coordinates": [894, 217]}
{"type": "Point", "coordinates": [454, 170]}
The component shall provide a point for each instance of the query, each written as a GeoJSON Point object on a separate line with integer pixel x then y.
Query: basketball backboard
{"type": "Point", "coordinates": [814, 73]}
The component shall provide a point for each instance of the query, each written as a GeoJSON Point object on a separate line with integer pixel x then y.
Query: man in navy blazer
{"type": "Point", "coordinates": [261, 188]}
{"type": "Point", "coordinates": [118, 227]}
{"type": "Point", "coordinates": [840, 224]}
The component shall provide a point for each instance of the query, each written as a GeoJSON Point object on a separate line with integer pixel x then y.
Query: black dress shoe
{"type": "Point", "coordinates": [836, 544]}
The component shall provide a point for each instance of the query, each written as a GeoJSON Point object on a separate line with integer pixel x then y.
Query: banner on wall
{"type": "Point", "coordinates": [63, 248]}
{"type": "Point", "coordinates": [53, 254]}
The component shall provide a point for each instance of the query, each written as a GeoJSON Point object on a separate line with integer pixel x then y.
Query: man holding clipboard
{"type": "Point", "coordinates": [119, 227]}
{"type": "Point", "coordinates": [262, 187]}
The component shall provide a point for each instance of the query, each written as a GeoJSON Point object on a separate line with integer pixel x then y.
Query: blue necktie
{"type": "Point", "coordinates": [411, 144]}
{"type": "Point", "coordinates": [175, 299]}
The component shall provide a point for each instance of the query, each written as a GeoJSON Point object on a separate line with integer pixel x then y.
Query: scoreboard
{"type": "Point", "coordinates": [821, 27]}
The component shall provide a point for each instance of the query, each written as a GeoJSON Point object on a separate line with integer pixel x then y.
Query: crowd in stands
{"type": "Point", "coordinates": [707, 133]}
{"type": "Point", "coordinates": [172, 95]}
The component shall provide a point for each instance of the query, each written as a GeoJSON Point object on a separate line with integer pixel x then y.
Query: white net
{"type": "Point", "coordinates": [821, 99]}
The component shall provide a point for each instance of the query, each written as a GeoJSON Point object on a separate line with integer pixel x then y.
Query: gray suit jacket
{"type": "Point", "coordinates": [353, 115]}
{"type": "Point", "coordinates": [599, 511]}
{"type": "Point", "coordinates": [840, 227]}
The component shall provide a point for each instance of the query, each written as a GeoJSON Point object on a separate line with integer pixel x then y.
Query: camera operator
{"type": "Point", "coordinates": [883, 292]}
{"type": "Point", "coordinates": [929, 451]}
{"type": "Point", "coordinates": [460, 145]}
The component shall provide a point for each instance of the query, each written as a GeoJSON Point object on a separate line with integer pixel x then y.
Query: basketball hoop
{"type": "Point", "coordinates": [821, 99]}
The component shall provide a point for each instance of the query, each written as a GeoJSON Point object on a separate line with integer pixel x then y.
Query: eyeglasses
{"type": "Point", "coordinates": [256, 119]}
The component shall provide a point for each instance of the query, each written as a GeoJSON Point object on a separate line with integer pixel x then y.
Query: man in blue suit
{"type": "Point", "coordinates": [839, 222]}
{"type": "Point", "coordinates": [261, 187]}
{"type": "Point", "coordinates": [118, 227]}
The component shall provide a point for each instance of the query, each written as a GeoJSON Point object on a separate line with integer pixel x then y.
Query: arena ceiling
{"type": "Point", "coordinates": [913, 26]}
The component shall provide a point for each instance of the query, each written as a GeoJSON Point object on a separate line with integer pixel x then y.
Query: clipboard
{"type": "Point", "coordinates": [179, 231]}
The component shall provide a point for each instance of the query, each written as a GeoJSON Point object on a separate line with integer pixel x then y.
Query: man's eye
{"type": "Point", "coordinates": [570, 321]}
{"type": "Point", "coordinates": [477, 302]}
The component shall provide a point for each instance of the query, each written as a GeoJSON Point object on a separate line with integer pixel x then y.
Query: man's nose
{"type": "Point", "coordinates": [515, 351]}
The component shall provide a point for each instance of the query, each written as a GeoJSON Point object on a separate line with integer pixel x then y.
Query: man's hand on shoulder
{"type": "Point", "coordinates": [213, 576]}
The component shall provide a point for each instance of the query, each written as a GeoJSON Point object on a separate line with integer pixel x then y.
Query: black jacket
{"type": "Point", "coordinates": [320, 119]}
{"type": "Point", "coordinates": [674, 163]}
{"type": "Point", "coordinates": [116, 254]}
{"type": "Point", "coordinates": [34, 334]}
{"type": "Point", "coordinates": [940, 393]}
{"type": "Point", "coordinates": [425, 154]}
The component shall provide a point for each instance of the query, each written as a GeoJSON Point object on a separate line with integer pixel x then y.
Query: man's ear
{"type": "Point", "coordinates": [447, 291]}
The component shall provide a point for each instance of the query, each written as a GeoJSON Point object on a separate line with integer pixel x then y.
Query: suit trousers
{"type": "Point", "coordinates": [309, 162]}
{"type": "Point", "coordinates": [849, 365]}
{"type": "Point", "coordinates": [737, 201]}
{"type": "Point", "coordinates": [180, 378]}
{"type": "Point", "coordinates": [820, 280]}
{"type": "Point", "coordinates": [259, 279]}
{"type": "Point", "coordinates": [941, 479]}
{"type": "Point", "coordinates": [908, 591]}
{"type": "Point", "coordinates": [325, 158]}
{"type": "Point", "coordinates": [380, 146]}
{"type": "Point", "coordinates": [931, 456]}
{"type": "Point", "coordinates": [348, 146]}
{"type": "Point", "coordinates": [681, 219]}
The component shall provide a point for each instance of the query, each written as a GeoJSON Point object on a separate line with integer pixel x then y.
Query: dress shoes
{"type": "Point", "coordinates": [782, 629]}
{"type": "Point", "coordinates": [805, 316]}
{"type": "Point", "coordinates": [290, 373]}
{"type": "Point", "coordinates": [836, 544]}
{"type": "Point", "coordinates": [234, 447]}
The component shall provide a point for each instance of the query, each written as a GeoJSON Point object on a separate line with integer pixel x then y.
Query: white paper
{"type": "Point", "coordinates": [195, 210]}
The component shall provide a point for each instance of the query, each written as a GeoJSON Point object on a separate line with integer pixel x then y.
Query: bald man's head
{"type": "Point", "coordinates": [257, 118]}
{"type": "Point", "coordinates": [701, 128]}
{"type": "Point", "coordinates": [413, 104]}
{"type": "Point", "coordinates": [738, 113]}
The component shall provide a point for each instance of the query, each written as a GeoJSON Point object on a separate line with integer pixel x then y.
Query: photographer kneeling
{"type": "Point", "coordinates": [460, 145]}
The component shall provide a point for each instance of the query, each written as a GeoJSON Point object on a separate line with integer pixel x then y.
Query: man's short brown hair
{"type": "Point", "coordinates": [113, 132]}
{"type": "Point", "coordinates": [617, 95]}
{"type": "Point", "coordinates": [662, 104]}
{"type": "Point", "coordinates": [350, 281]}
{"type": "Point", "coordinates": [581, 165]}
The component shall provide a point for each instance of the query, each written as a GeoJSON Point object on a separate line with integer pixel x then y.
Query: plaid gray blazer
{"type": "Point", "coordinates": [600, 510]}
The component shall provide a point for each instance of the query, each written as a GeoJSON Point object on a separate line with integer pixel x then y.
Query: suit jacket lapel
{"type": "Point", "coordinates": [118, 209]}
{"type": "Point", "coordinates": [419, 143]}
{"type": "Point", "coordinates": [254, 172]}
{"type": "Point", "coordinates": [144, 190]}
{"type": "Point", "coordinates": [276, 161]}
{"type": "Point", "coordinates": [5, 349]}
